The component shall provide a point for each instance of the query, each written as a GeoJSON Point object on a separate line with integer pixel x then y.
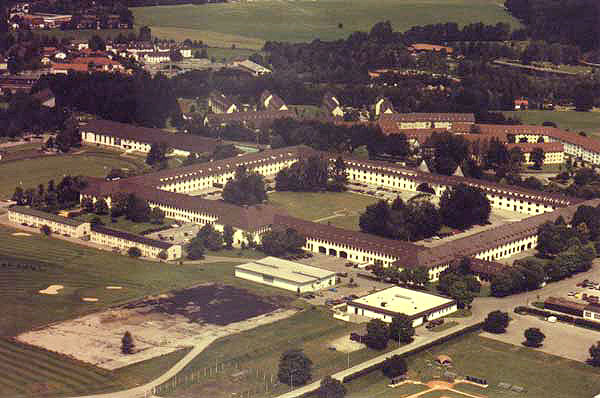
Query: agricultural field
{"type": "Point", "coordinates": [341, 209]}
{"type": "Point", "coordinates": [250, 24]}
{"type": "Point", "coordinates": [497, 362]}
{"type": "Point", "coordinates": [571, 120]}
{"type": "Point", "coordinates": [32, 172]}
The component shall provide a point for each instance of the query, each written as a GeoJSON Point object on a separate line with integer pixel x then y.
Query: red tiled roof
{"type": "Point", "coordinates": [528, 147]}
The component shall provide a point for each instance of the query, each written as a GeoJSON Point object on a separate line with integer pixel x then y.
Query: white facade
{"type": "Point", "coordinates": [57, 224]}
{"type": "Point", "coordinates": [286, 275]}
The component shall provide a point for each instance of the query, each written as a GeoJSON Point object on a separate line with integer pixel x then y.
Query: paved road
{"type": "Point", "coordinates": [481, 308]}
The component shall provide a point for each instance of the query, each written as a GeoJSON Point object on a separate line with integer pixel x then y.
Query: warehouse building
{"type": "Point", "coordinates": [395, 301]}
{"type": "Point", "coordinates": [59, 225]}
{"type": "Point", "coordinates": [287, 275]}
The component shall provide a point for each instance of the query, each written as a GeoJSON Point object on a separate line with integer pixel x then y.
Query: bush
{"type": "Point", "coordinates": [46, 230]}
{"type": "Point", "coordinates": [134, 252]}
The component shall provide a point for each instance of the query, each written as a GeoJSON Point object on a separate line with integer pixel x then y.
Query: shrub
{"type": "Point", "coordinates": [134, 252]}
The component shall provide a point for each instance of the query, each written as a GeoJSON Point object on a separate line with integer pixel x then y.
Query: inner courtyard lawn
{"type": "Point", "coordinates": [250, 24]}
{"type": "Point", "coordinates": [341, 209]}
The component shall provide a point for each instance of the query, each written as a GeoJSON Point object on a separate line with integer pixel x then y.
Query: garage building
{"type": "Point", "coordinates": [395, 301]}
{"type": "Point", "coordinates": [285, 274]}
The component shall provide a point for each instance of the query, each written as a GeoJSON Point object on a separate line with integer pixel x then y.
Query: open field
{"type": "Point", "coordinates": [31, 172]}
{"type": "Point", "coordinates": [338, 208]}
{"type": "Point", "coordinates": [37, 262]}
{"type": "Point", "coordinates": [542, 375]}
{"type": "Point", "coordinates": [258, 351]}
{"type": "Point", "coordinates": [571, 120]}
{"type": "Point", "coordinates": [250, 24]}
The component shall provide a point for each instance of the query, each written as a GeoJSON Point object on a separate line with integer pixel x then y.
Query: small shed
{"type": "Point", "coordinates": [444, 360]}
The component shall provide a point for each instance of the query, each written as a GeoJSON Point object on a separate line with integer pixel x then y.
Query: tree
{"type": "Point", "coordinates": [225, 151]}
{"type": "Point", "coordinates": [402, 330]}
{"type": "Point", "coordinates": [209, 238]}
{"type": "Point", "coordinates": [496, 322]}
{"type": "Point", "coordinates": [378, 334]}
{"type": "Point", "coordinates": [158, 154]}
{"type": "Point", "coordinates": [534, 337]}
{"type": "Point", "coordinates": [594, 351]}
{"type": "Point", "coordinates": [100, 207]}
{"type": "Point", "coordinates": [338, 176]}
{"type": "Point", "coordinates": [459, 291]}
{"type": "Point", "coordinates": [157, 216]}
{"type": "Point", "coordinates": [331, 388]}
{"type": "Point", "coordinates": [96, 43]}
{"type": "Point", "coordinates": [127, 344]}
{"type": "Point", "coordinates": [394, 366]}
{"type": "Point", "coordinates": [228, 236]}
{"type": "Point", "coordinates": [294, 368]}
{"type": "Point", "coordinates": [145, 34]}
{"type": "Point", "coordinates": [46, 230]}
{"type": "Point", "coordinates": [19, 196]}
{"type": "Point", "coordinates": [195, 250]}
{"type": "Point", "coordinates": [246, 188]}
{"type": "Point", "coordinates": [462, 206]}
{"type": "Point", "coordinates": [537, 157]}
{"type": "Point", "coordinates": [584, 99]}
{"type": "Point", "coordinates": [280, 242]}
{"type": "Point", "coordinates": [134, 252]}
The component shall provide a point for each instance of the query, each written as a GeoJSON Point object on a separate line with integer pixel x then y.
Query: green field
{"type": "Point", "coordinates": [542, 375]}
{"type": "Point", "coordinates": [250, 24]}
{"type": "Point", "coordinates": [571, 120]}
{"type": "Point", "coordinates": [31, 172]}
{"type": "Point", "coordinates": [344, 208]}
{"type": "Point", "coordinates": [259, 350]}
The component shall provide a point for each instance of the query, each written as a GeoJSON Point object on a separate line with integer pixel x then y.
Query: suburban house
{"type": "Point", "coordinates": [271, 102]}
{"type": "Point", "coordinates": [220, 103]}
{"type": "Point", "coordinates": [383, 106]}
{"type": "Point", "coordinates": [332, 106]}
{"type": "Point", "coordinates": [521, 104]}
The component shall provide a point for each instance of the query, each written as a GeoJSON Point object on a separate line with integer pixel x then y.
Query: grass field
{"type": "Point", "coordinates": [571, 120]}
{"type": "Point", "coordinates": [250, 24]}
{"type": "Point", "coordinates": [542, 375]}
{"type": "Point", "coordinates": [31, 172]}
{"type": "Point", "coordinates": [344, 206]}
{"type": "Point", "coordinates": [259, 350]}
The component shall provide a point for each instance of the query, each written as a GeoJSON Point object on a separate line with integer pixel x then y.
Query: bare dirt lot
{"type": "Point", "coordinates": [159, 325]}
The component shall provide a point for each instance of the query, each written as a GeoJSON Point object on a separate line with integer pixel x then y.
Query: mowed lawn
{"type": "Point", "coordinates": [542, 375]}
{"type": "Point", "coordinates": [30, 173]}
{"type": "Point", "coordinates": [250, 24]}
{"type": "Point", "coordinates": [341, 209]}
{"type": "Point", "coordinates": [571, 120]}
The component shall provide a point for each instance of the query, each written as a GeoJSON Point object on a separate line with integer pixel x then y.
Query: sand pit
{"type": "Point", "coordinates": [114, 287]}
{"type": "Point", "coordinates": [344, 344]}
{"type": "Point", "coordinates": [90, 299]}
{"type": "Point", "coordinates": [21, 234]}
{"type": "Point", "coordinates": [193, 317]}
{"type": "Point", "coordinates": [52, 289]}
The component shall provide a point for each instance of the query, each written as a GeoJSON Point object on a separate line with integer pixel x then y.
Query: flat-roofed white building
{"type": "Point", "coordinates": [395, 301]}
{"type": "Point", "coordinates": [285, 274]}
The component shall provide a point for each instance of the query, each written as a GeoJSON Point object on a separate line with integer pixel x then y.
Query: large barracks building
{"type": "Point", "coordinates": [173, 191]}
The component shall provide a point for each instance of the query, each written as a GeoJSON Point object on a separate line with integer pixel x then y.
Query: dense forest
{"type": "Point", "coordinates": [560, 21]}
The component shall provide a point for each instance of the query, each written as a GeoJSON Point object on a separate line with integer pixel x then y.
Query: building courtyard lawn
{"type": "Point", "coordinates": [122, 224]}
{"type": "Point", "coordinates": [588, 122]}
{"type": "Point", "coordinates": [341, 209]}
{"type": "Point", "coordinates": [542, 375]}
{"type": "Point", "coordinates": [30, 173]}
{"type": "Point", "coordinates": [250, 24]}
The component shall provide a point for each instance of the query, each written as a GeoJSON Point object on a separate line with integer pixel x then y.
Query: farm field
{"type": "Point", "coordinates": [497, 362]}
{"type": "Point", "coordinates": [250, 24]}
{"type": "Point", "coordinates": [338, 208]}
{"type": "Point", "coordinates": [571, 120]}
{"type": "Point", "coordinates": [32, 172]}
{"type": "Point", "coordinates": [258, 351]}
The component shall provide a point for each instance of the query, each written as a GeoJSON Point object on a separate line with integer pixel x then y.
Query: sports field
{"type": "Point", "coordinates": [31, 172]}
{"type": "Point", "coordinates": [572, 120]}
{"type": "Point", "coordinates": [542, 375]}
{"type": "Point", "coordinates": [250, 24]}
{"type": "Point", "coordinates": [341, 209]}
